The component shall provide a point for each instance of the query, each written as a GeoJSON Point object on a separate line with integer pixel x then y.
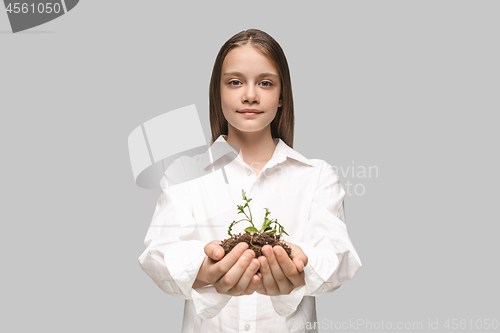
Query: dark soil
{"type": "Point", "coordinates": [255, 242]}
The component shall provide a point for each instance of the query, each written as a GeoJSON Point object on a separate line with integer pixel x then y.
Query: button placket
{"type": "Point", "coordinates": [248, 313]}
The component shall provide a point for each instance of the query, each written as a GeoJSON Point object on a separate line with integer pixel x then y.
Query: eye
{"type": "Point", "coordinates": [266, 84]}
{"type": "Point", "coordinates": [234, 81]}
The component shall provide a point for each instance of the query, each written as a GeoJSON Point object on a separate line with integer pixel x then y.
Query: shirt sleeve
{"type": "Point", "coordinates": [332, 259]}
{"type": "Point", "coordinates": [173, 257]}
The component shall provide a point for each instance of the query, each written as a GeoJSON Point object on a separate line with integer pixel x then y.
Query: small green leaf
{"type": "Point", "coordinates": [230, 227]}
{"type": "Point", "coordinates": [266, 223]}
{"type": "Point", "coordinates": [252, 230]}
{"type": "Point", "coordinates": [282, 230]}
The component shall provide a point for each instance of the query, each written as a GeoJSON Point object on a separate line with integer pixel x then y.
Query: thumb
{"type": "Point", "coordinates": [299, 264]}
{"type": "Point", "coordinates": [214, 251]}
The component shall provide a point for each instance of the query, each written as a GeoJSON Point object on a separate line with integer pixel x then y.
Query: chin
{"type": "Point", "coordinates": [250, 129]}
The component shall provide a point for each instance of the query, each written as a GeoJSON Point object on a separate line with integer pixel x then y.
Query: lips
{"type": "Point", "coordinates": [249, 111]}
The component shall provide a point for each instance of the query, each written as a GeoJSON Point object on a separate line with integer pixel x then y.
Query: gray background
{"type": "Point", "coordinates": [407, 86]}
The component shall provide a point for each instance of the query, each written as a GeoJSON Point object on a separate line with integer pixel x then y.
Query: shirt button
{"type": "Point", "coordinates": [247, 327]}
{"type": "Point", "coordinates": [249, 172]}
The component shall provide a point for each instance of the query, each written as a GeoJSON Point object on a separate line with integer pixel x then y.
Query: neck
{"type": "Point", "coordinates": [255, 147]}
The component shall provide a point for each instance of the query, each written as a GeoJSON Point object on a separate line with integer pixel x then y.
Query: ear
{"type": "Point", "coordinates": [280, 103]}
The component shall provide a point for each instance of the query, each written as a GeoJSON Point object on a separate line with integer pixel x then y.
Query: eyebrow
{"type": "Point", "coordinates": [260, 75]}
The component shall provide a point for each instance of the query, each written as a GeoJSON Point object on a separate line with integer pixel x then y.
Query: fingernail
{"type": "Point", "coordinates": [266, 252]}
{"type": "Point", "coordinates": [243, 246]}
{"type": "Point", "coordinates": [263, 263]}
{"type": "Point", "coordinates": [249, 255]}
{"type": "Point", "coordinates": [216, 253]}
{"type": "Point", "coordinates": [277, 252]}
{"type": "Point", "coordinates": [253, 266]}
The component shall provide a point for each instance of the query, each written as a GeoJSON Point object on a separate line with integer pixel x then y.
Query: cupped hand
{"type": "Point", "coordinates": [280, 274]}
{"type": "Point", "coordinates": [233, 274]}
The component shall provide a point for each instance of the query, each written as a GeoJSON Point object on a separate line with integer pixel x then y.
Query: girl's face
{"type": "Point", "coordinates": [249, 81]}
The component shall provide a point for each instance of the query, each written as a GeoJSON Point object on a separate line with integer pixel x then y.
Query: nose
{"type": "Point", "coordinates": [250, 94]}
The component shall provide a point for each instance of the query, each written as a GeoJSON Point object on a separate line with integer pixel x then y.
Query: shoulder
{"type": "Point", "coordinates": [319, 164]}
{"type": "Point", "coordinates": [316, 163]}
{"type": "Point", "coordinates": [325, 170]}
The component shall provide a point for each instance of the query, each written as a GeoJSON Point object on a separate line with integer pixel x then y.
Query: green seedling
{"type": "Point", "coordinates": [266, 227]}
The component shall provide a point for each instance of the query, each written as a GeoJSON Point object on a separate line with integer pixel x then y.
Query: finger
{"type": "Point", "coordinates": [260, 288]}
{"type": "Point", "coordinates": [254, 280]}
{"type": "Point", "coordinates": [284, 285]}
{"type": "Point", "coordinates": [214, 251]}
{"type": "Point", "coordinates": [219, 269]}
{"type": "Point", "coordinates": [234, 274]}
{"type": "Point", "coordinates": [288, 267]}
{"type": "Point", "coordinates": [299, 258]}
{"type": "Point", "coordinates": [274, 266]}
{"type": "Point", "coordinates": [268, 282]}
{"type": "Point", "coordinates": [245, 279]}
{"type": "Point", "coordinates": [254, 283]}
{"type": "Point", "coordinates": [299, 264]}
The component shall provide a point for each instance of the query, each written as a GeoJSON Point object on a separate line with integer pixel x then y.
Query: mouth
{"type": "Point", "coordinates": [249, 112]}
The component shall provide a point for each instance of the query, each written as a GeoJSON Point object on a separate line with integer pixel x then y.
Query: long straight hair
{"type": "Point", "coordinates": [283, 123]}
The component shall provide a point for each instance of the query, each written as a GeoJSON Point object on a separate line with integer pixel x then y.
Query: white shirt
{"type": "Point", "coordinates": [304, 195]}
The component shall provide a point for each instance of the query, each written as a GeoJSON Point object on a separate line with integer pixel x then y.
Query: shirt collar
{"type": "Point", "coordinates": [281, 153]}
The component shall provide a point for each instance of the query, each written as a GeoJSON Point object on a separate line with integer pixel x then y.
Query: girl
{"type": "Point", "coordinates": [251, 108]}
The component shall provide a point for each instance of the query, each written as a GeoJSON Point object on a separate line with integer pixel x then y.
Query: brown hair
{"type": "Point", "coordinates": [282, 125]}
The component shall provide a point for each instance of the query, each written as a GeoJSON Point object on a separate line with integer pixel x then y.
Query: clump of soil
{"type": "Point", "coordinates": [255, 242]}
